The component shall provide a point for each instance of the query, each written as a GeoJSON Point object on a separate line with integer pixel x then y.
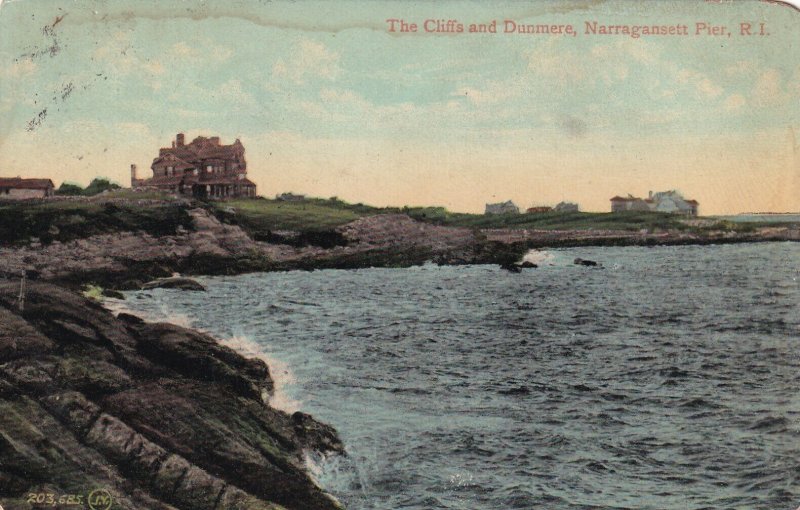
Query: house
{"type": "Point", "coordinates": [539, 209]}
{"type": "Point", "coordinates": [673, 202]}
{"type": "Point", "coordinates": [629, 203]}
{"type": "Point", "coordinates": [664, 201]}
{"type": "Point", "coordinates": [566, 207]}
{"type": "Point", "coordinates": [17, 188]}
{"type": "Point", "coordinates": [290, 197]}
{"type": "Point", "coordinates": [204, 168]}
{"type": "Point", "coordinates": [507, 207]}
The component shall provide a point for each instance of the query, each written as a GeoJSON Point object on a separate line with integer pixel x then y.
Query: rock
{"type": "Point", "coordinates": [582, 262]}
{"type": "Point", "coordinates": [18, 338]}
{"type": "Point", "coordinates": [174, 282]}
{"type": "Point", "coordinates": [512, 268]}
{"type": "Point", "coordinates": [316, 435]}
{"type": "Point", "coordinates": [527, 264]}
{"type": "Point", "coordinates": [115, 294]}
{"type": "Point", "coordinates": [161, 417]}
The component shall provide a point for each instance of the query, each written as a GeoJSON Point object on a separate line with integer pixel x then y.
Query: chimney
{"type": "Point", "coordinates": [133, 175]}
{"type": "Point", "coordinates": [214, 140]}
{"type": "Point", "coordinates": [179, 139]}
{"type": "Point", "coordinates": [650, 194]}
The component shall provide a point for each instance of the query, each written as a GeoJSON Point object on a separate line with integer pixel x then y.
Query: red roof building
{"type": "Point", "coordinates": [17, 188]}
{"type": "Point", "coordinates": [203, 168]}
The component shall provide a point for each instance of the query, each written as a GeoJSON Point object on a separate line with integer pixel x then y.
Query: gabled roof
{"type": "Point", "coordinates": [204, 148]}
{"type": "Point", "coordinates": [20, 183]}
{"type": "Point", "coordinates": [179, 163]}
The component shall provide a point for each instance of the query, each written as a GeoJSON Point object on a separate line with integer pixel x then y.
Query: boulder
{"type": "Point", "coordinates": [174, 282]}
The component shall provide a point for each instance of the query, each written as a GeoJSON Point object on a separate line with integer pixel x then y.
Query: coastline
{"type": "Point", "coordinates": [156, 239]}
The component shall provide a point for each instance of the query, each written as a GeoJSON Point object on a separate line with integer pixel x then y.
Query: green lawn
{"type": "Point", "coordinates": [261, 216]}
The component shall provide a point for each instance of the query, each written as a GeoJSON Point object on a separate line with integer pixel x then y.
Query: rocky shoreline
{"type": "Point", "coordinates": [157, 416]}
{"type": "Point", "coordinates": [128, 259]}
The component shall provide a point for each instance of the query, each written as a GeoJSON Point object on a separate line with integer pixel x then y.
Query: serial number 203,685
{"type": "Point", "coordinates": [46, 498]}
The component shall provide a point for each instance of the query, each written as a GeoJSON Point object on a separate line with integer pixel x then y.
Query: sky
{"type": "Point", "coordinates": [328, 102]}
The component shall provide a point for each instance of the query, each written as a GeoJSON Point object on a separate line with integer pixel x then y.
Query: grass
{"type": "Point", "coordinates": [93, 292]}
{"type": "Point", "coordinates": [260, 217]}
{"type": "Point", "coordinates": [630, 220]}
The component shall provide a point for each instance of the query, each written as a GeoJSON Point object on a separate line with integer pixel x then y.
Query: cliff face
{"type": "Point", "coordinates": [159, 416]}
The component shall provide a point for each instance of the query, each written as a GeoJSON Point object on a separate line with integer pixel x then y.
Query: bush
{"type": "Point", "coordinates": [69, 189]}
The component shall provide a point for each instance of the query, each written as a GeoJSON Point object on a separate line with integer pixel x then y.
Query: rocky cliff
{"type": "Point", "coordinates": [158, 416]}
{"type": "Point", "coordinates": [127, 259]}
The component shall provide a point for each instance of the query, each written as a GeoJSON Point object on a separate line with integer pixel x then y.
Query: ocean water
{"type": "Point", "coordinates": [668, 379]}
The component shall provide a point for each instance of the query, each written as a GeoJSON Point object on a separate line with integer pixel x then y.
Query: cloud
{"type": "Point", "coordinates": [768, 88]}
{"type": "Point", "coordinates": [701, 83]}
{"type": "Point", "coordinates": [741, 68]}
{"type": "Point", "coordinates": [309, 59]}
{"type": "Point", "coordinates": [734, 102]}
{"type": "Point", "coordinates": [181, 49]}
{"type": "Point", "coordinates": [491, 93]}
{"type": "Point", "coordinates": [19, 69]}
{"type": "Point", "coordinates": [199, 51]}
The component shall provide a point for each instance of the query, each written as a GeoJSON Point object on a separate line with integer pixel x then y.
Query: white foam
{"type": "Point", "coordinates": [538, 257]}
{"type": "Point", "coordinates": [282, 376]}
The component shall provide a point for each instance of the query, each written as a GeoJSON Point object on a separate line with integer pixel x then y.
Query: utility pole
{"type": "Point", "coordinates": [21, 300]}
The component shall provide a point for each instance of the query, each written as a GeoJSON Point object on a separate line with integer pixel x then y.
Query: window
{"type": "Point", "coordinates": [208, 169]}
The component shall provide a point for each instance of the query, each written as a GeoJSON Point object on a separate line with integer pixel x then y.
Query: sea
{"type": "Point", "coordinates": [665, 378]}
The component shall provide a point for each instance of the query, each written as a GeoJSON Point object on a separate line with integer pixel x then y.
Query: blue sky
{"type": "Point", "coordinates": [328, 102]}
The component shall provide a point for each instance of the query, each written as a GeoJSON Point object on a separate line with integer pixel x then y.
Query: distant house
{"type": "Point", "coordinates": [290, 197]}
{"type": "Point", "coordinates": [203, 168]}
{"type": "Point", "coordinates": [17, 188]}
{"type": "Point", "coordinates": [566, 207]}
{"type": "Point", "coordinates": [673, 202]}
{"type": "Point", "coordinates": [507, 207]}
{"type": "Point", "coordinates": [629, 203]}
{"type": "Point", "coordinates": [539, 209]}
{"type": "Point", "coordinates": [664, 201]}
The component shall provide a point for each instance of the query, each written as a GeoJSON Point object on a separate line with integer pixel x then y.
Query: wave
{"type": "Point", "coordinates": [281, 375]}
{"type": "Point", "coordinates": [538, 257]}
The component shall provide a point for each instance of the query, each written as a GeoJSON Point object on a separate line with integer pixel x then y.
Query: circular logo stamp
{"type": "Point", "coordinates": [99, 499]}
